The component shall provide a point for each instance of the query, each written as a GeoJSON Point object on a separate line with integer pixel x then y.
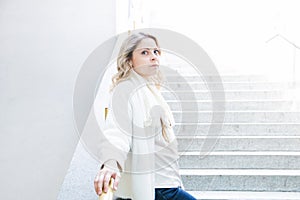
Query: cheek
{"type": "Point", "coordinates": [138, 61]}
{"type": "Point", "coordinates": [135, 60]}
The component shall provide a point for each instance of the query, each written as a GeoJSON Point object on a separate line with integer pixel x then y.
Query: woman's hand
{"type": "Point", "coordinates": [102, 180]}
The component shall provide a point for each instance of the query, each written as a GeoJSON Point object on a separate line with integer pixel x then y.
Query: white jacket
{"type": "Point", "coordinates": [129, 136]}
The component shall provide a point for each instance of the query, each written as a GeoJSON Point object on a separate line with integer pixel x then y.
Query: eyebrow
{"type": "Point", "coordinates": [156, 48]}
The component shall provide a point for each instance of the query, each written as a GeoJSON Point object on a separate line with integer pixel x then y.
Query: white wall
{"type": "Point", "coordinates": [42, 47]}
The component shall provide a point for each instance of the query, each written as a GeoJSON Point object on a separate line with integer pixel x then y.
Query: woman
{"type": "Point", "coordinates": [139, 141]}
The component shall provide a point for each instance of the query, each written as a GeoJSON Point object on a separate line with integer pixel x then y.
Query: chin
{"type": "Point", "coordinates": [154, 73]}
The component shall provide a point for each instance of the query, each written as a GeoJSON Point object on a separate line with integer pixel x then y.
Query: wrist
{"type": "Point", "coordinates": [111, 164]}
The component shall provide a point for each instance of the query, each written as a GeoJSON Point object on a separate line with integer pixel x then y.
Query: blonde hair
{"type": "Point", "coordinates": [124, 66]}
{"type": "Point", "coordinates": [125, 56]}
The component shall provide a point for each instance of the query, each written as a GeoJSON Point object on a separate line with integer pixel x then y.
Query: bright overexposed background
{"type": "Point", "coordinates": [239, 36]}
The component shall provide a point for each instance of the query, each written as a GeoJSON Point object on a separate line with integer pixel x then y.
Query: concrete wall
{"type": "Point", "coordinates": [42, 47]}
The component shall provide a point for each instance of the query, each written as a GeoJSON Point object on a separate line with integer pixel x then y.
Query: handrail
{"type": "Point", "coordinates": [294, 56]}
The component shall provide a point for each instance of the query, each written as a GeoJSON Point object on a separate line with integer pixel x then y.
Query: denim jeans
{"type": "Point", "coordinates": [172, 194]}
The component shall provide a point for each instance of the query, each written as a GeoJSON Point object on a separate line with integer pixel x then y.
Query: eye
{"type": "Point", "coordinates": [156, 52]}
{"type": "Point", "coordinates": [144, 53]}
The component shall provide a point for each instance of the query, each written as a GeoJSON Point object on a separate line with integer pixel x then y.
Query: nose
{"type": "Point", "coordinates": [154, 57]}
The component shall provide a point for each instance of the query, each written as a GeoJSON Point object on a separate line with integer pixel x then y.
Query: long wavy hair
{"type": "Point", "coordinates": [125, 56]}
{"type": "Point", "coordinates": [124, 67]}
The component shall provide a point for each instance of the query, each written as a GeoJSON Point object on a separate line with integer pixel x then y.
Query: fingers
{"type": "Point", "coordinates": [106, 181]}
{"type": "Point", "coordinates": [116, 177]}
{"type": "Point", "coordinates": [98, 183]}
{"type": "Point", "coordinates": [102, 180]}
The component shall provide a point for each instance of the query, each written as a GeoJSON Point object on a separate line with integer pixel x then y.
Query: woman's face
{"type": "Point", "coordinates": [145, 58]}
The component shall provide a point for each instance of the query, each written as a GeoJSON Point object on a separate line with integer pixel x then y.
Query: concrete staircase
{"type": "Point", "coordinates": [257, 154]}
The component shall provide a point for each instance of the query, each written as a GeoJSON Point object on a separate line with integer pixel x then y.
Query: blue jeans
{"type": "Point", "coordinates": [169, 194]}
{"type": "Point", "coordinates": [172, 194]}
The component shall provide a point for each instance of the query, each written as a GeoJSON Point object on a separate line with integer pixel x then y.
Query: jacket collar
{"type": "Point", "coordinates": [138, 79]}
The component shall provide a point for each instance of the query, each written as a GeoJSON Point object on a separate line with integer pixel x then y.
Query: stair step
{"type": "Point", "coordinates": [241, 180]}
{"type": "Point", "coordinates": [213, 78]}
{"type": "Point", "coordinates": [238, 116]}
{"type": "Point", "coordinates": [239, 143]}
{"type": "Point", "coordinates": [232, 105]}
{"type": "Point", "coordinates": [233, 129]}
{"type": "Point", "coordinates": [235, 195]}
{"type": "Point", "coordinates": [201, 85]}
{"type": "Point", "coordinates": [240, 160]}
{"type": "Point", "coordinates": [241, 172]}
{"type": "Point", "coordinates": [229, 94]}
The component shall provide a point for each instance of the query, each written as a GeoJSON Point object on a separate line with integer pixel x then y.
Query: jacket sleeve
{"type": "Point", "coordinates": [117, 133]}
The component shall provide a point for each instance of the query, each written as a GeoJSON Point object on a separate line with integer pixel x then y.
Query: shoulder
{"type": "Point", "coordinates": [122, 91]}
